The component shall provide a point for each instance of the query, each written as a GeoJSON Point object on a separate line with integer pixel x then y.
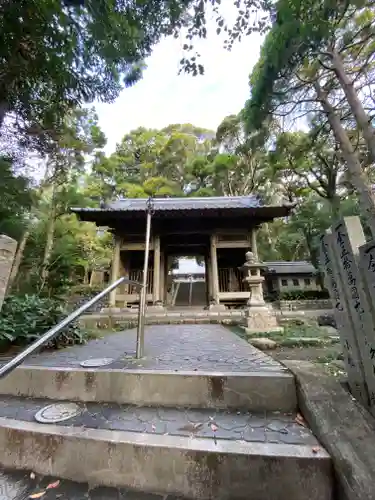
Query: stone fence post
{"type": "Point", "coordinates": [8, 248]}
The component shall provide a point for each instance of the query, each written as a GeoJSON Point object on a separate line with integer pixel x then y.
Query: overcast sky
{"type": "Point", "coordinates": [163, 97]}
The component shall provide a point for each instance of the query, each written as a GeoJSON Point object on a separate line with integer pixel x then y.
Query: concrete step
{"type": "Point", "coordinates": [129, 319]}
{"type": "Point", "coordinates": [19, 485]}
{"type": "Point", "coordinates": [196, 454]}
{"type": "Point", "coordinates": [270, 390]}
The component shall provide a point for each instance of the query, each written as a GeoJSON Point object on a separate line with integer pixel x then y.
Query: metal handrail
{"type": "Point", "coordinates": [54, 331]}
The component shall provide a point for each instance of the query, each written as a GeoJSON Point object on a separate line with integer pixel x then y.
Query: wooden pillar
{"type": "Point", "coordinates": [162, 277]}
{"type": "Point", "coordinates": [124, 269]}
{"type": "Point", "coordinates": [214, 269]}
{"type": "Point", "coordinates": [254, 246]}
{"type": "Point", "coordinates": [115, 269]}
{"type": "Point", "coordinates": [166, 280]}
{"type": "Point", "coordinates": [156, 284]}
{"type": "Point", "coordinates": [207, 263]}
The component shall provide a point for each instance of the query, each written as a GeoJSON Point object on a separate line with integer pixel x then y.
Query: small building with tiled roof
{"type": "Point", "coordinates": [285, 276]}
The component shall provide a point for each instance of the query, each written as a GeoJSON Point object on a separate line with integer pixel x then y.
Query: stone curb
{"type": "Point", "coordinates": [194, 468]}
{"type": "Point", "coordinates": [103, 323]}
{"type": "Point", "coordinates": [308, 341]}
{"type": "Point", "coordinates": [342, 425]}
{"type": "Point", "coordinates": [255, 391]}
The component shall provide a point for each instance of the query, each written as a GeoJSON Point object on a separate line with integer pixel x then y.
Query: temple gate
{"type": "Point", "coordinates": [220, 229]}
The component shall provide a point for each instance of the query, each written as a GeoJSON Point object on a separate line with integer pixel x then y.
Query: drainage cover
{"type": "Point", "coordinates": [95, 363]}
{"type": "Point", "coordinates": [59, 412]}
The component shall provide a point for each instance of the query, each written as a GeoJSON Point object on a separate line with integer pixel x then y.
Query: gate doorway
{"type": "Point", "coordinates": [187, 282]}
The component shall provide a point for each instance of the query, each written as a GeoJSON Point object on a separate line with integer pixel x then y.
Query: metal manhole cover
{"type": "Point", "coordinates": [57, 413]}
{"type": "Point", "coordinates": [95, 363]}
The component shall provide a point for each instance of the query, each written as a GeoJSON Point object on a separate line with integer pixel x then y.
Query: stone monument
{"type": "Point", "coordinates": [348, 263]}
{"type": "Point", "coordinates": [8, 248]}
{"type": "Point", "coordinates": [259, 316]}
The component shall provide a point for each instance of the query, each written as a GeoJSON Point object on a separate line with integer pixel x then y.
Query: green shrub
{"type": "Point", "coordinates": [304, 295]}
{"type": "Point", "coordinates": [25, 319]}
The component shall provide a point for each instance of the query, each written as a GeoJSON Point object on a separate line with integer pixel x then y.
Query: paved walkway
{"type": "Point", "coordinates": [168, 347]}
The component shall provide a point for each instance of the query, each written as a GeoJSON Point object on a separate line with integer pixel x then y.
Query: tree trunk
{"type": "Point", "coordinates": [268, 234]}
{"type": "Point", "coordinates": [334, 204]}
{"type": "Point", "coordinates": [361, 117]}
{"type": "Point", "coordinates": [49, 241]}
{"type": "Point", "coordinates": [3, 112]}
{"type": "Point", "coordinates": [86, 276]}
{"type": "Point", "coordinates": [18, 258]}
{"type": "Point", "coordinates": [357, 177]}
{"type": "Point", "coordinates": [22, 244]}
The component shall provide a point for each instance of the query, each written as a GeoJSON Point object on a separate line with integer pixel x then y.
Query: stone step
{"type": "Point", "coordinates": [129, 319]}
{"type": "Point", "coordinates": [196, 454]}
{"type": "Point", "coordinates": [19, 485]}
{"type": "Point", "coordinates": [271, 389]}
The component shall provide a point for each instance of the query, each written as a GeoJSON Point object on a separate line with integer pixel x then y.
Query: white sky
{"type": "Point", "coordinates": [188, 266]}
{"type": "Point", "coordinates": [163, 97]}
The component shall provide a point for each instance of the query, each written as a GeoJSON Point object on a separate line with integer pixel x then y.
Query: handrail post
{"type": "Point", "coordinates": [143, 292]}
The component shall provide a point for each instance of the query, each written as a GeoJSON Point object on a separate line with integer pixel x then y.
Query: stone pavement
{"type": "Point", "coordinates": [266, 427]}
{"type": "Point", "coordinates": [168, 347]}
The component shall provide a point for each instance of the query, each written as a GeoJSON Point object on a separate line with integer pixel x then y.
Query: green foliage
{"type": "Point", "coordinates": [16, 198]}
{"type": "Point", "coordinates": [60, 54]}
{"type": "Point", "coordinates": [181, 159]}
{"type": "Point", "coordinates": [77, 248]}
{"type": "Point", "coordinates": [56, 57]}
{"type": "Point", "coordinates": [25, 319]}
{"type": "Point", "coordinates": [303, 295]}
{"type": "Point", "coordinates": [300, 28]}
{"type": "Point", "coordinates": [150, 162]}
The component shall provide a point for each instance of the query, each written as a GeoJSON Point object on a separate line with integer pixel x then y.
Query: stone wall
{"type": "Point", "coordinates": [305, 305]}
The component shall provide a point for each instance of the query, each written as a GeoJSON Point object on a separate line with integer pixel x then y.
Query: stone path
{"type": "Point", "coordinates": [217, 425]}
{"type": "Point", "coordinates": [168, 347]}
{"type": "Point", "coordinates": [19, 486]}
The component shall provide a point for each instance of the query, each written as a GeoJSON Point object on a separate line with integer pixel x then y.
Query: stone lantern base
{"type": "Point", "coordinates": [261, 319]}
{"type": "Point", "coordinates": [259, 316]}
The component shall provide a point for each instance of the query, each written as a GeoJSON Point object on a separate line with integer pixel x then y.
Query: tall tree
{"type": "Point", "coordinates": [235, 163]}
{"type": "Point", "coordinates": [77, 138]}
{"type": "Point", "coordinates": [150, 161]}
{"type": "Point", "coordinates": [308, 162]}
{"type": "Point", "coordinates": [16, 198]}
{"type": "Point", "coordinates": [292, 75]}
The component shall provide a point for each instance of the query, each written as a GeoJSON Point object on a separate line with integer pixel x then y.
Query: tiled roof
{"type": "Point", "coordinates": [165, 204]}
{"type": "Point", "coordinates": [286, 267]}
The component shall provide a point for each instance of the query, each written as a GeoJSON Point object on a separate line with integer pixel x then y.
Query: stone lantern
{"type": "Point", "coordinates": [260, 316]}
